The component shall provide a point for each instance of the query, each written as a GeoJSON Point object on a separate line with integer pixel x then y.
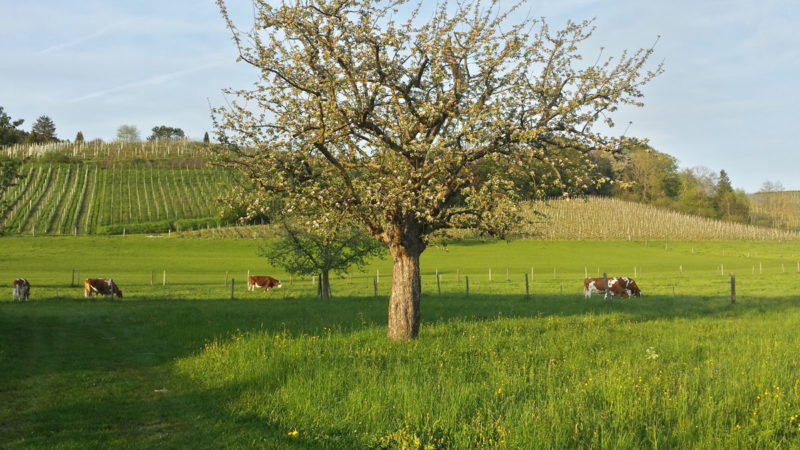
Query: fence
{"type": "Point", "coordinates": [537, 281]}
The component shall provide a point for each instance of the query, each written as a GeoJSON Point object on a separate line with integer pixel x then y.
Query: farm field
{"type": "Point", "coordinates": [178, 364]}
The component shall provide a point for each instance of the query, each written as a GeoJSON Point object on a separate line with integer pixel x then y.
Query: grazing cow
{"type": "Point", "coordinates": [266, 282]}
{"type": "Point", "coordinates": [21, 289]}
{"type": "Point", "coordinates": [101, 286]}
{"type": "Point", "coordinates": [622, 286]}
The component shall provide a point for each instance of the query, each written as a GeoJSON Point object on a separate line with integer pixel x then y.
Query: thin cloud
{"type": "Point", "coordinates": [79, 40]}
{"type": "Point", "coordinates": [150, 81]}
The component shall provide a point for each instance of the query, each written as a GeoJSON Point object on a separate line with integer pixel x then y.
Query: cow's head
{"type": "Point", "coordinates": [634, 288]}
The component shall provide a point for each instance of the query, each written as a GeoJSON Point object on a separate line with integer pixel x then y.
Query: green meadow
{"type": "Point", "coordinates": [178, 364]}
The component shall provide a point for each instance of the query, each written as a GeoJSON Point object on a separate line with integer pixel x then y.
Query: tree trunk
{"type": "Point", "coordinates": [404, 299]}
{"type": "Point", "coordinates": [325, 286]}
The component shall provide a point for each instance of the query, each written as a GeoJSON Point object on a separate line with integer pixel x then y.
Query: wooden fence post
{"type": "Point", "coordinates": [151, 278]}
{"type": "Point", "coordinates": [733, 288]}
{"type": "Point", "coordinates": [605, 286]}
{"type": "Point", "coordinates": [527, 289]}
{"type": "Point", "coordinates": [232, 282]}
{"type": "Point", "coordinates": [438, 286]}
{"type": "Point", "coordinates": [375, 285]}
{"type": "Point", "coordinates": [467, 278]}
{"type": "Point", "coordinates": [164, 279]}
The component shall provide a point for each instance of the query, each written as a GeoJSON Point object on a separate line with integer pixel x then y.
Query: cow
{"type": "Point", "coordinates": [22, 289]}
{"type": "Point", "coordinates": [101, 286]}
{"type": "Point", "coordinates": [266, 282]}
{"type": "Point", "coordinates": [622, 286]}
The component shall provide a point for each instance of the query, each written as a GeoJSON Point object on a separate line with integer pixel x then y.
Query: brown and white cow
{"type": "Point", "coordinates": [22, 289]}
{"type": "Point", "coordinates": [101, 286]}
{"type": "Point", "coordinates": [622, 286]}
{"type": "Point", "coordinates": [262, 282]}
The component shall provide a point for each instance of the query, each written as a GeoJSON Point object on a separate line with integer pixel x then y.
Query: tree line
{"type": "Point", "coordinates": [44, 131]}
{"type": "Point", "coordinates": [642, 174]}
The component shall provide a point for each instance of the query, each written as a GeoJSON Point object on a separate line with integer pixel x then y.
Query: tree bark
{"type": "Point", "coordinates": [325, 286]}
{"type": "Point", "coordinates": [405, 295]}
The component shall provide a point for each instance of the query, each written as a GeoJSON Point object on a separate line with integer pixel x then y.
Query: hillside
{"type": "Point", "coordinates": [78, 189]}
{"type": "Point", "coordinates": [598, 218]}
{"type": "Point", "coordinates": [776, 209]}
{"type": "Point", "coordinates": [90, 189]}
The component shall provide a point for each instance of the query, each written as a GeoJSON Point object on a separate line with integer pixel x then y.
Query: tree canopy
{"type": "Point", "coordinates": [165, 133]}
{"type": "Point", "coordinates": [43, 131]}
{"type": "Point", "coordinates": [299, 251]}
{"type": "Point", "coordinates": [128, 133]}
{"type": "Point", "coordinates": [9, 131]}
{"type": "Point", "coordinates": [414, 126]}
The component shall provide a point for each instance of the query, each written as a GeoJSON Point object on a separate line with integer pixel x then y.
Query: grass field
{"type": "Point", "coordinates": [181, 365]}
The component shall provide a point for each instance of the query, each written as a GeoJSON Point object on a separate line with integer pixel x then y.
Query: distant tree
{"type": "Point", "coordinates": [8, 174]}
{"type": "Point", "coordinates": [653, 176]}
{"type": "Point", "coordinates": [43, 130]}
{"type": "Point", "coordinates": [730, 204]}
{"type": "Point", "coordinates": [79, 138]}
{"type": "Point", "coordinates": [128, 133]}
{"type": "Point", "coordinates": [770, 186]}
{"type": "Point", "coordinates": [9, 131]}
{"type": "Point", "coordinates": [206, 140]}
{"type": "Point", "coordinates": [165, 133]}
{"type": "Point", "coordinates": [299, 251]}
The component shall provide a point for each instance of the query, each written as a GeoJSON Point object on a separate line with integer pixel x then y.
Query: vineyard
{"type": "Point", "coordinates": [599, 218]}
{"type": "Point", "coordinates": [96, 188]}
{"type": "Point", "coordinates": [776, 209]}
{"type": "Point", "coordinates": [113, 189]}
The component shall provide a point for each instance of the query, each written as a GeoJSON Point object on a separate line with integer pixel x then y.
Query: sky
{"type": "Point", "coordinates": [726, 100]}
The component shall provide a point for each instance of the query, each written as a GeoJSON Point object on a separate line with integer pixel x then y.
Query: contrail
{"type": "Point", "coordinates": [79, 40]}
{"type": "Point", "coordinates": [158, 79]}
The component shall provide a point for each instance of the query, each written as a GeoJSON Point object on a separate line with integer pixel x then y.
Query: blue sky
{"type": "Point", "coordinates": [727, 99]}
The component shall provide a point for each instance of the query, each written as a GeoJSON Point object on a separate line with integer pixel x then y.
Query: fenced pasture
{"type": "Point", "coordinates": [179, 364]}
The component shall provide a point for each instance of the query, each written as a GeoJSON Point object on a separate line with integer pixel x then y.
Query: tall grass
{"type": "Point", "coordinates": [182, 365]}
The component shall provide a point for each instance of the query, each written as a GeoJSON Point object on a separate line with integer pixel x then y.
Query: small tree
{"type": "Point", "coordinates": [44, 130]}
{"type": "Point", "coordinates": [299, 251]}
{"type": "Point", "coordinates": [206, 140]}
{"type": "Point", "coordinates": [9, 131]}
{"type": "Point", "coordinates": [165, 133]}
{"type": "Point", "coordinates": [128, 133]}
{"type": "Point", "coordinates": [412, 127]}
{"type": "Point", "coordinates": [79, 138]}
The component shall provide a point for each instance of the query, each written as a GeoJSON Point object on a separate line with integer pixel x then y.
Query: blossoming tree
{"type": "Point", "coordinates": [412, 126]}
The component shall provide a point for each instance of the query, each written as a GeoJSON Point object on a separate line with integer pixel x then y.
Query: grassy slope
{"type": "Point", "coordinates": [491, 369]}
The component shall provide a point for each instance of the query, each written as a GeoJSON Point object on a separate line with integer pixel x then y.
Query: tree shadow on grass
{"type": "Point", "coordinates": [97, 366]}
{"type": "Point", "coordinates": [165, 418]}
